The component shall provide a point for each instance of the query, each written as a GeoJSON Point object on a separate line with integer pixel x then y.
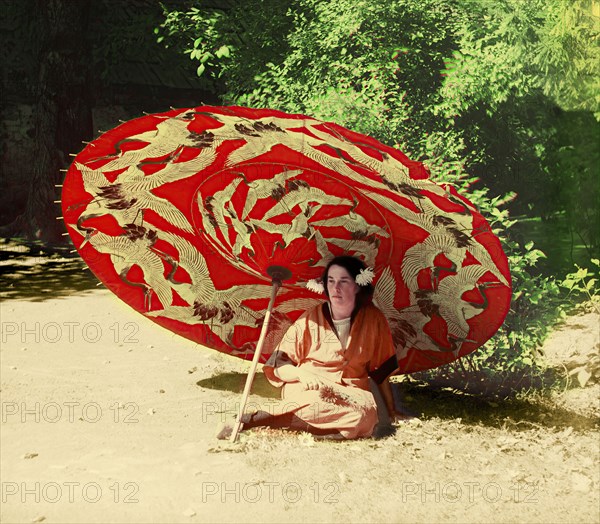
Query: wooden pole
{"type": "Point", "coordinates": [261, 340]}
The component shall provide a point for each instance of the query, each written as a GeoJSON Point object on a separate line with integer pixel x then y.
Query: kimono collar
{"type": "Point", "coordinates": [327, 314]}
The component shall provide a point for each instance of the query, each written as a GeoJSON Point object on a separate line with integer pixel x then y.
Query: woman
{"type": "Point", "coordinates": [326, 358]}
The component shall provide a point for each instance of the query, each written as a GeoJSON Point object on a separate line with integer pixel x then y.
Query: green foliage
{"type": "Point", "coordinates": [179, 28]}
{"type": "Point", "coordinates": [470, 70]}
{"type": "Point", "coordinates": [516, 62]}
{"type": "Point", "coordinates": [535, 305]}
{"type": "Point", "coordinates": [572, 184]}
{"type": "Point", "coordinates": [584, 283]}
{"type": "Point", "coordinates": [568, 54]}
{"type": "Point", "coordinates": [466, 86]}
{"type": "Point", "coordinates": [509, 361]}
{"type": "Point", "coordinates": [232, 42]}
{"type": "Point", "coordinates": [509, 48]}
{"type": "Point", "coordinates": [343, 60]}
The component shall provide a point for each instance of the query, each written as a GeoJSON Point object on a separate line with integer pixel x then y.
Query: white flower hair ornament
{"type": "Point", "coordinates": [315, 285]}
{"type": "Point", "coordinates": [365, 277]}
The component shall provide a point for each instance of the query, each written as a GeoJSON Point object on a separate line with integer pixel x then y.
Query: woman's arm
{"type": "Point", "coordinates": [291, 373]}
{"type": "Point", "coordinates": [386, 392]}
{"type": "Point", "coordinates": [287, 373]}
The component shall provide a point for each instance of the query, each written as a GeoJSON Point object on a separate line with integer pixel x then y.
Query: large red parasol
{"type": "Point", "coordinates": [181, 214]}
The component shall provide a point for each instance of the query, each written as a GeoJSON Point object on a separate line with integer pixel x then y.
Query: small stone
{"type": "Point", "coordinates": [189, 512]}
{"type": "Point", "coordinates": [161, 390]}
{"type": "Point", "coordinates": [30, 455]}
{"type": "Point", "coordinates": [25, 349]}
{"type": "Point", "coordinates": [191, 370]}
{"type": "Point", "coordinates": [151, 411]}
{"type": "Point", "coordinates": [13, 367]}
{"type": "Point", "coordinates": [149, 346]}
{"type": "Point", "coordinates": [41, 518]}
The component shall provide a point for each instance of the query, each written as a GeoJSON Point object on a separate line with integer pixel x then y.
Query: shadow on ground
{"type": "Point", "coordinates": [428, 402]}
{"type": "Point", "coordinates": [235, 382]}
{"type": "Point", "coordinates": [35, 272]}
{"type": "Point", "coordinates": [516, 413]}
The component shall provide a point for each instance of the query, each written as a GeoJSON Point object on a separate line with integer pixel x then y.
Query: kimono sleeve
{"type": "Point", "coordinates": [384, 360]}
{"type": "Point", "coordinates": [289, 351]}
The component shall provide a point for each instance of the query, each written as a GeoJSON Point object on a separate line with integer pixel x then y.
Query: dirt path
{"type": "Point", "coordinates": [103, 421]}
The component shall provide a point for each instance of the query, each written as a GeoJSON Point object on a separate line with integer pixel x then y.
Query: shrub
{"type": "Point", "coordinates": [401, 72]}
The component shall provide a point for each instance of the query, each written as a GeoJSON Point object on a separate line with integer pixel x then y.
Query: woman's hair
{"type": "Point", "coordinates": [353, 265]}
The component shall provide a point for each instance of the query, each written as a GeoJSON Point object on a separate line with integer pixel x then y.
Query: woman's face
{"type": "Point", "coordinates": [342, 288]}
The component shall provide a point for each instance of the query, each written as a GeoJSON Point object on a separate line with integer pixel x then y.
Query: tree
{"type": "Point", "coordinates": [459, 84]}
{"type": "Point", "coordinates": [352, 61]}
{"type": "Point", "coordinates": [527, 72]}
{"type": "Point", "coordinates": [482, 83]}
{"type": "Point", "coordinates": [63, 116]}
{"type": "Point", "coordinates": [67, 56]}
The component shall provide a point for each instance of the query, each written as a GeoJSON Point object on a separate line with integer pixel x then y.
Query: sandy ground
{"type": "Point", "coordinates": [103, 421]}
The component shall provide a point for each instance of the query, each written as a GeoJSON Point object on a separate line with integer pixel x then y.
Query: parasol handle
{"type": "Point", "coordinates": [259, 346]}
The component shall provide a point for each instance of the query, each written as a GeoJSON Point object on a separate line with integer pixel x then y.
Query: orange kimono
{"type": "Point", "coordinates": [345, 406]}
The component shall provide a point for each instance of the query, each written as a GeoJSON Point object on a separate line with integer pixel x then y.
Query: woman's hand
{"type": "Point", "coordinates": [290, 373]}
{"type": "Point", "coordinates": [397, 416]}
{"type": "Point", "coordinates": [309, 380]}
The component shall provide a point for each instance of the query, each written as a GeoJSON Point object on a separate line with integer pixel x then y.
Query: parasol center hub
{"type": "Point", "coordinates": [279, 273]}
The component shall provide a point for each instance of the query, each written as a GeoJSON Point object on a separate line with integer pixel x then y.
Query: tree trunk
{"type": "Point", "coordinates": [63, 114]}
